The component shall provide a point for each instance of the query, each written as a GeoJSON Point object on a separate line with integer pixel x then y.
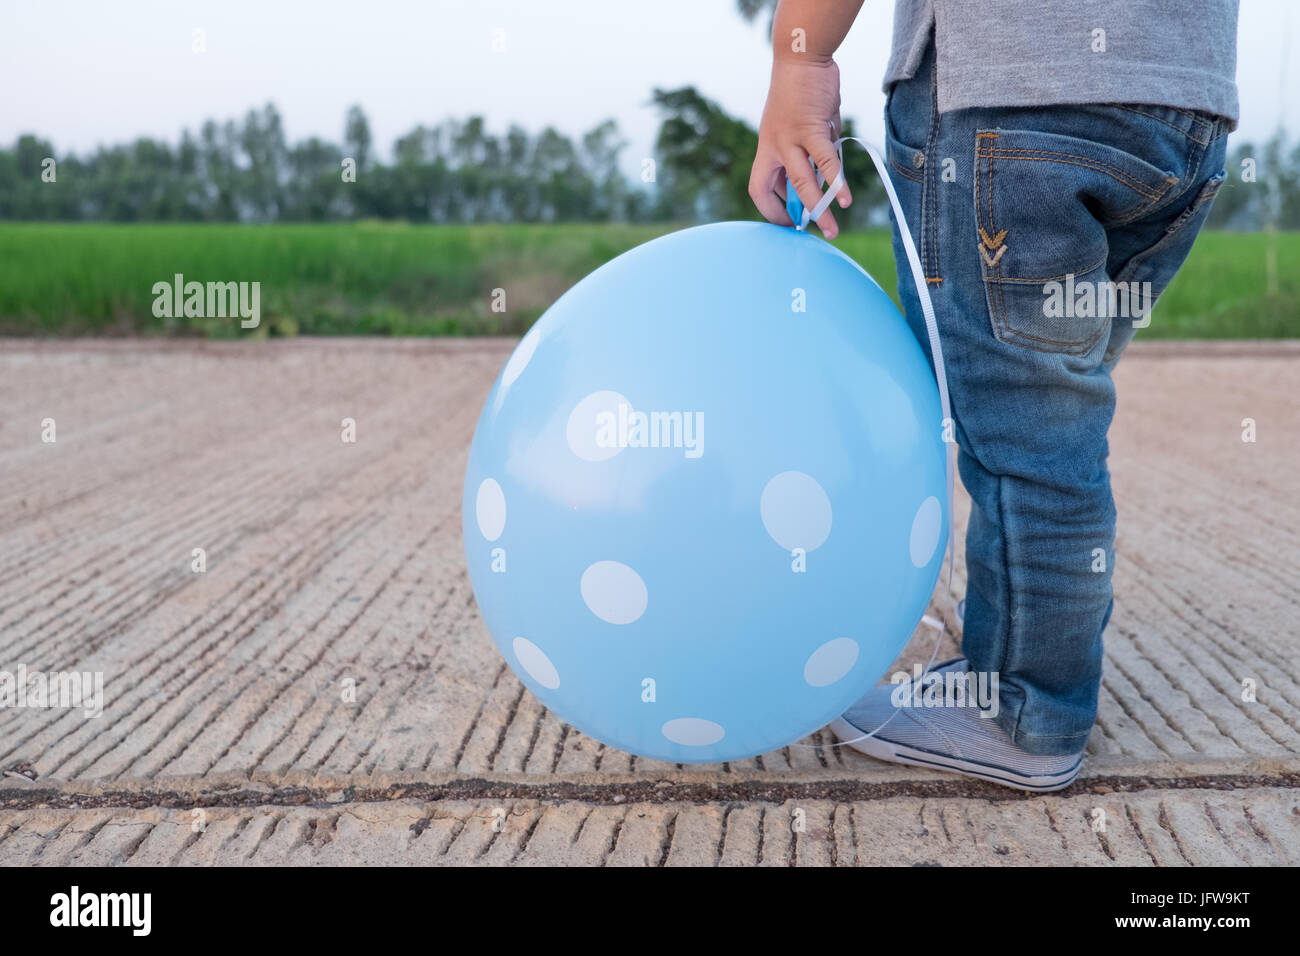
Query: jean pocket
{"type": "Point", "coordinates": [1043, 203]}
{"type": "Point", "coordinates": [1191, 219]}
{"type": "Point", "coordinates": [906, 166]}
{"type": "Point", "coordinates": [1151, 270]}
{"type": "Point", "coordinates": [905, 162]}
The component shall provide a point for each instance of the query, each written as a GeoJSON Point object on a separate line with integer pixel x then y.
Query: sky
{"type": "Point", "coordinates": [87, 72]}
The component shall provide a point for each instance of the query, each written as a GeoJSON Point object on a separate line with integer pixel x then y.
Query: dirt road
{"type": "Point", "coordinates": [324, 690]}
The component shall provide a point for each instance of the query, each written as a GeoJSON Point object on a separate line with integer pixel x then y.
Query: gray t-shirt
{"type": "Point", "coordinates": [1042, 52]}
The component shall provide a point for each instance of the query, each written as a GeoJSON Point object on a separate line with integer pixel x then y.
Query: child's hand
{"type": "Point", "coordinates": [803, 101]}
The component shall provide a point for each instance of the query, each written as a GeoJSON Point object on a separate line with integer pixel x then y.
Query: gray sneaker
{"type": "Point", "coordinates": [953, 738]}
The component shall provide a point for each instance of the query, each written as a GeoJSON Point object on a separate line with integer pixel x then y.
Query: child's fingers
{"type": "Point", "coordinates": [761, 186]}
{"type": "Point", "coordinates": [823, 152]}
{"type": "Point", "coordinates": [800, 173]}
{"type": "Point", "coordinates": [844, 197]}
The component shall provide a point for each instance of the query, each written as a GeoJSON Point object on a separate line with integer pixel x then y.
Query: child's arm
{"type": "Point", "coordinates": [802, 100]}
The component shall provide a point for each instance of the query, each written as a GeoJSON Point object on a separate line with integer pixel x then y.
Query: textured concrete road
{"type": "Point", "coordinates": [229, 732]}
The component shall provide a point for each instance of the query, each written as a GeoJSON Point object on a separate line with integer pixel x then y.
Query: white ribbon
{"type": "Point", "coordinates": [803, 216]}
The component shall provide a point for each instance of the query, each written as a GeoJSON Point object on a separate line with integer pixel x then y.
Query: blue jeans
{"type": "Point", "coordinates": [1033, 226]}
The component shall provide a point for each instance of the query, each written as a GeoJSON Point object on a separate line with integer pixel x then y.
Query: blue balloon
{"type": "Point", "coordinates": [706, 503]}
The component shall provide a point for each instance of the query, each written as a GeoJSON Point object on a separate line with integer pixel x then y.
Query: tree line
{"type": "Point", "coordinates": [455, 171]}
{"type": "Point", "coordinates": [460, 171]}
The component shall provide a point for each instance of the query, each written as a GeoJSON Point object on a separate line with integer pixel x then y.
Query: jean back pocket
{"type": "Point", "coordinates": [1043, 204]}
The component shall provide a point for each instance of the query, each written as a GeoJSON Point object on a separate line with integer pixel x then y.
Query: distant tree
{"type": "Point", "coordinates": [601, 146]}
{"type": "Point", "coordinates": [555, 171]}
{"type": "Point", "coordinates": [218, 145]}
{"type": "Point", "coordinates": [356, 136]}
{"type": "Point", "coordinates": [705, 156]}
{"type": "Point", "coordinates": [314, 187]}
{"type": "Point", "coordinates": [266, 155]}
{"type": "Point", "coordinates": [25, 198]}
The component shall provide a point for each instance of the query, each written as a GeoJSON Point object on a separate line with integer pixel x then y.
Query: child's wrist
{"type": "Point", "coordinates": [790, 58]}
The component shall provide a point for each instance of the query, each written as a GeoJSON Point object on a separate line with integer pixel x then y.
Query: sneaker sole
{"type": "Point", "coordinates": [901, 753]}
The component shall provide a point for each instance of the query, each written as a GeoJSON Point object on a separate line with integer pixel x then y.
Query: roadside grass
{"type": "Point", "coordinates": [373, 278]}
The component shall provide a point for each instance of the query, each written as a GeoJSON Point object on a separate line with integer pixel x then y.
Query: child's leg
{"type": "Point", "coordinates": [1026, 221]}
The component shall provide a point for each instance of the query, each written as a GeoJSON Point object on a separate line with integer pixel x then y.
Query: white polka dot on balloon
{"type": "Point", "coordinates": [490, 509]}
{"type": "Point", "coordinates": [592, 427]}
{"type": "Point", "coordinates": [830, 662]}
{"type": "Point", "coordinates": [796, 511]}
{"type": "Point", "coordinates": [926, 527]}
{"type": "Point", "coordinates": [693, 731]}
{"type": "Point", "coordinates": [614, 592]}
{"type": "Point", "coordinates": [535, 663]}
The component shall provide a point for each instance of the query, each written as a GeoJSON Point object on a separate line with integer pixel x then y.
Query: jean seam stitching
{"type": "Point", "coordinates": [904, 172]}
{"type": "Point", "coordinates": [1186, 132]}
{"type": "Point", "coordinates": [1119, 173]}
{"type": "Point", "coordinates": [1196, 153]}
{"type": "Point", "coordinates": [992, 291]}
{"type": "Point", "coordinates": [1005, 599]}
{"type": "Point", "coordinates": [1114, 172]}
{"type": "Point", "coordinates": [1197, 119]}
{"type": "Point", "coordinates": [1031, 279]}
{"type": "Point", "coordinates": [1067, 346]}
{"type": "Point", "coordinates": [1201, 198]}
{"type": "Point", "coordinates": [930, 232]}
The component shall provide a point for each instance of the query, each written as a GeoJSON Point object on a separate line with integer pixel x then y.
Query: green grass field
{"type": "Point", "coordinates": [394, 279]}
